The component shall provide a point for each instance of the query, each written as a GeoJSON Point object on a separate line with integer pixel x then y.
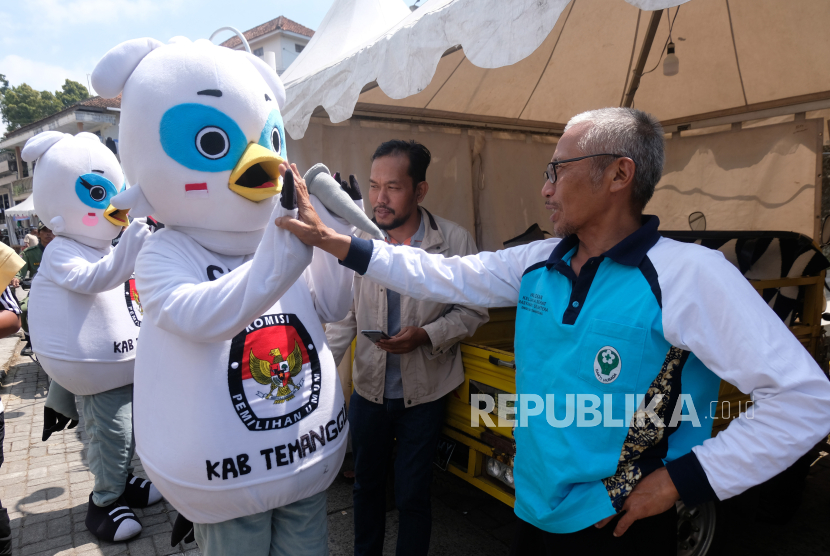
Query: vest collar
{"type": "Point", "coordinates": [629, 252]}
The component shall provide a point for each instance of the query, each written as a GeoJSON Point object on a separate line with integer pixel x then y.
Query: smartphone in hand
{"type": "Point", "coordinates": [375, 335]}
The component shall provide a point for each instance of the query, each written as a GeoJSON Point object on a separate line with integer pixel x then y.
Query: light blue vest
{"type": "Point", "coordinates": [600, 341]}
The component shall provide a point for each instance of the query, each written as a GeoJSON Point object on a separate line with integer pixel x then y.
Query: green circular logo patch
{"type": "Point", "coordinates": [607, 365]}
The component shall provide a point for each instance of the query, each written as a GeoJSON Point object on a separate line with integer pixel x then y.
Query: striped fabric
{"type": "Point", "coordinates": [766, 256]}
{"type": "Point", "coordinates": [8, 301]}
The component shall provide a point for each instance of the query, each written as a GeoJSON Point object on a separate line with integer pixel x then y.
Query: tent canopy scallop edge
{"type": "Point", "coordinates": [403, 60]}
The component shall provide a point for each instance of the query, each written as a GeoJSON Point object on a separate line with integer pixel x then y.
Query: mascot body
{"type": "Point", "coordinates": [240, 419]}
{"type": "Point", "coordinates": [85, 330]}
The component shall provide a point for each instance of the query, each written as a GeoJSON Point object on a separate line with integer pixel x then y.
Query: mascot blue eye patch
{"type": "Point", "coordinates": [95, 190]}
{"type": "Point", "coordinates": [273, 134]}
{"type": "Point", "coordinates": [201, 138]}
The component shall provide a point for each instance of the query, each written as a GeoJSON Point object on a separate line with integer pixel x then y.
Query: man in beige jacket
{"type": "Point", "coordinates": [400, 382]}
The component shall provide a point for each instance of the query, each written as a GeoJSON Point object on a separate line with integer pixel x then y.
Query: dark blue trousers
{"type": "Point", "coordinates": [374, 428]}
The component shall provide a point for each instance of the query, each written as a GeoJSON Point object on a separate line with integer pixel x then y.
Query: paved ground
{"type": "Point", "coordinates": [46, 487]}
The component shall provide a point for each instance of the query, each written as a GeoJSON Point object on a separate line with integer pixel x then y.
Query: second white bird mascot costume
{"type": "Point", "coordinates": [82, 317]}
{"type": "Point", "coordinates": [239, 415]}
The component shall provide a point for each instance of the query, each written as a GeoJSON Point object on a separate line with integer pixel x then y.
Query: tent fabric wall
{"type": "Point", "coordinates": [762, 178]}
{"type": "Point", "coordinates": [510, 191]}
{"type": "Point", "coordinates": [505, 168]}
{"type": "Point", "coordinates": [488, 182]}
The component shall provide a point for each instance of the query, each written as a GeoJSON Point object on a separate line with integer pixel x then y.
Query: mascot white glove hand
{"type": "Point", "coordinates": [352, 189]}
{"type": "Point", "coordinates": [340, 200]}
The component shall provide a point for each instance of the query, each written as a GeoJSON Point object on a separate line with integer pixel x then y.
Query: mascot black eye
{"type": "Point", "coordinates": [212, 142]}
{"type": "Point", "coordinates": [275, 139]}
{"type": "Point", "coordinates": [97, 193]}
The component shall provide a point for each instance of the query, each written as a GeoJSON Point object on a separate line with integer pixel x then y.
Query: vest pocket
{"type": "Point", "coordinates": [611, 356]}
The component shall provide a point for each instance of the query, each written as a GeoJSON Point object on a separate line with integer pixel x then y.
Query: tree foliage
{"type": "Point", "coordinates": [72, 92]}
{"type": "Point", "coordinates": [22, 105]}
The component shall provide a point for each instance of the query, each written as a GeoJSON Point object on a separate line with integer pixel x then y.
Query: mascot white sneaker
{"type": "Point", "coordinates": [239, 415]}
{"type": "Point", "coordinates": [82, 315]}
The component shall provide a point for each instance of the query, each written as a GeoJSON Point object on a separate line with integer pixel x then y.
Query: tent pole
{"type": "Point", "coordinates": [653, 24]}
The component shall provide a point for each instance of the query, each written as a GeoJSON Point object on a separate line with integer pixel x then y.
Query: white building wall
{"type": "Point", "coordinates": [271, 42]}
{"type": "Point", "coordinates": [281, 44]}
{"type": "Point", "coordinates": [289, 53]}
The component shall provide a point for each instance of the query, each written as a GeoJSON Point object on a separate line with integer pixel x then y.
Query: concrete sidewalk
{"type": "Point", "coordinates": [46, 485]}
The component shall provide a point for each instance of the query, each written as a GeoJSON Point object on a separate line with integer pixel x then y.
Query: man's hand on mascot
{"type": "Point", "coordinates": [307, 226]}
{"type": "Point", "coordinates": [15, 283]}
{"type": "Point", "coordinates": [408, 339]}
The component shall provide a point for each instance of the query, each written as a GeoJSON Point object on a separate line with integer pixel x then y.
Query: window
{"type": "Point", "coordinates": [298, 48]}
{"type": "Point", "coordinates": [258, 52]}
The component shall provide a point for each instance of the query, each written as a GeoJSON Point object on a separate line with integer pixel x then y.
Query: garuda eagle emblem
{"type": "Point", "coordinates": [136, 300]}
{"type": "Point", "coordinates": [279, 374]}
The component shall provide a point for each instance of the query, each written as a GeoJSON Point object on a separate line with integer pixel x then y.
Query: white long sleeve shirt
{"type": "Point", "coordinates": [675, 319]}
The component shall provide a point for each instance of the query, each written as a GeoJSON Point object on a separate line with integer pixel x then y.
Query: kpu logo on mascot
{"type": "Point", "coordinates": [274, 373]}
{"type": "Point", "coordinates": [133, 301]}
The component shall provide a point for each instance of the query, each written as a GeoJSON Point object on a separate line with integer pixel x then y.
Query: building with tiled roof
{"type": "Point", "coordinates": [100, 102]}
{"type": "Point", "coordinates": [96, 115]}
{"type": "Point", "coordinates": [278, 41]}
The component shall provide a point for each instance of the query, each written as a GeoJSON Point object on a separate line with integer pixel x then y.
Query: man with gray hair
{"type": "Point", "coordinates": [622, 339]}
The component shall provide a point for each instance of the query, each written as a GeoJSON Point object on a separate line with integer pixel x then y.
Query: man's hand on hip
{"type": "Point", "coordinates": [408, 339]}
{"type": "Point", "coordinates": [307, 226]}
{"type": "Point", "coordinates": [652, 496]}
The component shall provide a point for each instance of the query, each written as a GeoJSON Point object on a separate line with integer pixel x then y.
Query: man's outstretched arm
{"type": "Point", "coordinates": [486, 280]}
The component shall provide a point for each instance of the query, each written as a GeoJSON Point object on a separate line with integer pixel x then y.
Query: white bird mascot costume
{"type": "Point", "coordinates": [239, 415]}
{"type": "Point", "coordinates": [82, 314]}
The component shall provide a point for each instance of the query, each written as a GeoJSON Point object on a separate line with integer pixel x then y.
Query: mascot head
{"type": "Point", "coordinates": [201, 134]}
{"type": "Point", "coordinates": [75, 180]}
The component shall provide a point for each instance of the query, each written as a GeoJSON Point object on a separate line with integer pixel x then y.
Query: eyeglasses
{"type": "Point", "coordinates": [550, 173]}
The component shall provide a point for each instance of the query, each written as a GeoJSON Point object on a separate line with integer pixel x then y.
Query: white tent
{"type": "Point", "coordinates": [26, 208]}
{"type": "Point", "coordinates": [488, 85]}
{"type": "Point", "coordinates": [534, 63]}
{"type": "Point", "coordinates": [348, 25]}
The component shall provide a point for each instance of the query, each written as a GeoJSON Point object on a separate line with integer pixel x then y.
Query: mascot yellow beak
{"type": "Point", "coordinates": [257, 174]}
{"type": "Point", "coordinates": [117, 216]}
